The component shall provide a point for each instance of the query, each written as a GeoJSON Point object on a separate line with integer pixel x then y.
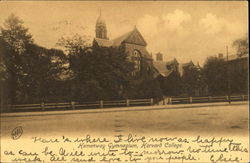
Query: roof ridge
{"type": "Point", "coordinates": [124, 37]}
{"type": "Point", "coordinates": [121, 38]}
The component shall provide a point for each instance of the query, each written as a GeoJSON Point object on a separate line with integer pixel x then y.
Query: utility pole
{"type": "Point", "coordinates": [228, 79]}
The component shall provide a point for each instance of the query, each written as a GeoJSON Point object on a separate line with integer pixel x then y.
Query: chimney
{"type": "Point", "coordinates": [220, 55]}
{"type": "Point", "coordinates": [159, 57]}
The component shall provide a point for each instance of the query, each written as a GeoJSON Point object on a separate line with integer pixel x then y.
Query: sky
{"type": "Point", "coordinates": [182, 30]}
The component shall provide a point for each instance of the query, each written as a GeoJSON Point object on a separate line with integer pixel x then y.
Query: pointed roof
{"type": "Point", "coordinates": [161, 68]}
{"type": "Point", "coordinates": [183, 66]}
{"type": "Point", "coordinates": [190, 63]}
{"type": "Point", "coordinates": [100, 20]}
{"type": "Point", "coordinates": [118, 41]}
{"type": "Point", "coordinates": [133, 37]}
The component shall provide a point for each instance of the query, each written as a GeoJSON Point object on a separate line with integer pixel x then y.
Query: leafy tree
{"type": "Point", "coordinates": [147, 88]}
{"type": "Point", "coordinates": [29, 69]}
{"type": "Point", "coordinates": [15, 34]}
{"type": "Point", "coordinates": [191, 80]}
{"type": "Point", "coordinates": [41, 68]}
{"type": "Point", "coordinates": [241, 46]}
{"type": "Point", "coordinates": [4, 84]}
{"type": "Point", "coordinates": [171, 85]}
{"type": "Point", "coordinates": [14, 37]}
{"type": "Point", "coordinates": [3, 52]}
{"type": "Point", "coordinates": [215, 74]}
{"type": "Point", "coordinates": [73, 44]}
{"type": "Point", "coordinates": [238, 79]}
{"type": "Point", "coordinates": [100, 73]}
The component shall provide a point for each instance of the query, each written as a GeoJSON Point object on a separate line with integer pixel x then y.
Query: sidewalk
{"type": "Point", "coordinates": [119, 109]}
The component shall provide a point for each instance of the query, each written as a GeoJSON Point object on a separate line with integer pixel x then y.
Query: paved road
{"type": "Point", "coordinates": [213, 120]}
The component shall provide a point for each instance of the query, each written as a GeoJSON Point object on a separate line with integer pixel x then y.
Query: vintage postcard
{"type": "Point", "coordinates": [124, 81]}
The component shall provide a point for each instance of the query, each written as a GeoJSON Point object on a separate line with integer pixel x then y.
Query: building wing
{"type": "Point", "coordinates": [183, 66]}
{"type": "Point", "coordinates": [103, 42]}
{"type": "Point", "coordinates": [162, 69]}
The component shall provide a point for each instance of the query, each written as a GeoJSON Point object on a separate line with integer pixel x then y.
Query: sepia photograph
{"type": "Point", "coordinates": [124, 81]}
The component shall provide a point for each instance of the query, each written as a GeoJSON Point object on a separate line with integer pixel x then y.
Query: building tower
{"type": "Point", "coordinates": [159, 57]}
{"type": "Point", "coordinates": [100, 28]}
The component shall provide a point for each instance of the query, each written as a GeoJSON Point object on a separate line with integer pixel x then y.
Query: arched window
{"type": "Point", "coordinates": [137, 59]}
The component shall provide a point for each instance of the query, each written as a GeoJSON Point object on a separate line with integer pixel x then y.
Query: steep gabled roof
{"type": "Point", "coordinates": [190, 63]}
{"type": "Point", "coordinates": [133, 37]}
{"type": "Point", "coordinates": [161, 67]}
{"type": "Point", "coordinates": [184, 65]}
{"type": "Point", "coordinates": [119, 40]}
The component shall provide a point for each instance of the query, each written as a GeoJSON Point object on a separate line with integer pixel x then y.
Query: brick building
{"type": "Point", "coordinates": [237, 69]}
{"type": "Point", "coordinates": [132, 41]}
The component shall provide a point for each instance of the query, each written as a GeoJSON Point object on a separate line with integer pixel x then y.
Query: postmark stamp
{"type": "Point", "coordinates": [16, 133]}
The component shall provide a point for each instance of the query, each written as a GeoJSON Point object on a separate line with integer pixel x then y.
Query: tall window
{"type": "Point", "coordinates": [137, 59]}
